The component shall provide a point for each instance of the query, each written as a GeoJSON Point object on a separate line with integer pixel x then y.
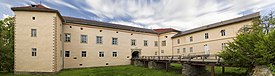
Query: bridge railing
{"type": "Point", "coordinates": [187, 58]}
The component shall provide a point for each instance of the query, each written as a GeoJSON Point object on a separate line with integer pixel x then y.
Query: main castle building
{"type": "Point", "coordinates": [46, 41]}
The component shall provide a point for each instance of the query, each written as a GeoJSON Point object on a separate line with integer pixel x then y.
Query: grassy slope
{"type": "Point", "coordinates": [110, 71]}
{"type": "Point", "coordinates": [130, 70]}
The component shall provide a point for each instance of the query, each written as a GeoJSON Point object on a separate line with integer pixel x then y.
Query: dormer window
{"type": "Point", "coordinates": [33, 18]}
{"type": "Point", "coordinates": [33, 6]}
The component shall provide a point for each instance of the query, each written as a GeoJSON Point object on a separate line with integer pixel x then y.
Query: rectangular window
{"type": "Point", "coordinates": [191, 38]}
{"type": "Point", "coordinates": [101, 54]}
{"type": "Point", "coordinates": [114, 41]}
{"type": "Point", "coordinates": [178, 41]}
{"type": "Point", "coordinates": [206, 36]}
{"type": "Point", "coordinates": [156, 43]}
{"type": "Point", "coordinates": [83, 53]}
{"type": "Point", "coordinates": [184, 50]}
{"type": "Point", "coordinates": [133, 42]}
{"type": "Point", "coordinates": [191, 49]}
{"type": "Point", "coordinates": [156, 53]}
{"type": "Point", "coordinates": [67, 37]}
{"type": "Point", "coordinates": [163, 43]}
{"type": "Point", "coordinates": [145, 43]}
{"type": "Point", "coordinates": [178, 50]}
{"type": "Point", "coordinates": [114, 54]}
{"type": "Point", "coordinates": [33, 32]}
{"type": "Point", "coordinates": [34, 51]}
{"type": "Point", "coordinates": [99, 39]}
{"type": "Point", "coordinates": [223, 45]}
{"type": "Point", "coordinates": [67, 53]}
{"type": "Point", "coordinates": [222, 32]}
{"type": "Point", "coordinates": [83, 38]}
{"type": "Point", "coordinates": [162, 51]}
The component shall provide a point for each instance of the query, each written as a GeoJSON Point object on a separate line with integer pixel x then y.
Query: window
{"type": "Point", "coordinates": [133, 42]}
{"type": "Point", "coordinates": [145, 43]}
{"type": "Point", "coordinates": [81, 28]}
{"type": "Point", "coordinates": [67, 37]}
{"type": "Point", "coordinates": [191, 38]}
{"type": "Point", "coordinates": [67, 53]}
{"type": "Point", "coordinates": [191, 49]}
{"type": "Point", "coordinates": [184, 50]}
{"type": "Point", "coordinates": [206, 36]}
{"type": "Point", "coordinates": [163, 43]}
{"type": "Point", "coordinates": [178, 50]}
{"type": "Point", "coordinates": [223, 45]}
{"type": "Point", "coordinates": [114, 41]}
{"type": "Point", "coordinates": [156, 43]}
{"type": "Point", "coordinates": [162, 51]}
{"type": "Point", "coordinates": [34, 51]}
{"type": "Point", "coordinates": [83, 53]}
{"type": "Point", "coordinates": [101, 54]}
{"type": "Point", "coordinates": [99, 39]}
{"type": "Point", "coordinates": [83, 38]}
{"type": "Point", "coordinates": [222, 32]}
{"type": "Point", "coordinates": [114, 54]}
{"type": "Point", "coordinates": [33, 32]}
{"type": "Point", "coordinates": [156, 53]}
{"type": "Point", "coordinates": [178, 41]}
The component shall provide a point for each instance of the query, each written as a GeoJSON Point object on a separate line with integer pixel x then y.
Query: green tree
{"type": "Point", "coordinates": [7, 44]}
{"type": "Point", "coordinates": [254, 45]}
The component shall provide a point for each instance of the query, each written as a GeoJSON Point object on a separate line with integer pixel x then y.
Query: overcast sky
{"type": "Point", "coordinates": [178, 14]}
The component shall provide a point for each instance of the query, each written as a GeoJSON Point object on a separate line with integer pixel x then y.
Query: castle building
{"type": "Point", "coordinates": [46, 41]}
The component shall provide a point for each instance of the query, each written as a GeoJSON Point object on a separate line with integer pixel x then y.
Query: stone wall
{"type": "Point", "coordinates": [194, 70]}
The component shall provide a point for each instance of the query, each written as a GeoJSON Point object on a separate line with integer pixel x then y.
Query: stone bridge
{"type": "Point", "coordinates": [192, 64]}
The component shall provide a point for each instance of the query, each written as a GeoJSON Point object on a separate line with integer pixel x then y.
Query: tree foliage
{"type": "Point", "coordinates": [252, 47]}
{"type": "Point", "coordinates": [7, 44]}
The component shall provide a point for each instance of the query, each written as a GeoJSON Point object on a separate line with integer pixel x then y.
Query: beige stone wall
{"type": "Point", "coordinates": [58, 44]}
{"type": "Point", "coordinates": [168, 48]}
{"type": "Point", "coordinates": [93, 60]}
{"type": "Point", "coordinates": [44, 23]}
{"type": "Point", "coordinates": [214, 42]}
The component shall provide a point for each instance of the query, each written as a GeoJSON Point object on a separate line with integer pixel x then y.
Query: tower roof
{"type": "Point", "coordinates": [37, 8]}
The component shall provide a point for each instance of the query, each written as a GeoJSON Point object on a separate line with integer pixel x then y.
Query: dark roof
{"type": "Point", "coordinates": [106, 25]}
{"type": "Point", "coordinates": [219, 24]}
{"type": "Point", "coordinates": [38, 8]}
{"type": "Point", "coordinates": [165, 30]}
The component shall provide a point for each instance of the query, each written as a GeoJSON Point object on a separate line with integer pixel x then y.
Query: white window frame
{"type": "Point", "coordinates": [67, 37]}
{"type": "Point", "coordinates": [114, 41]}
{"type": "Point", "coordinates": [84, 38]}
{"type": "Point", "coordinates": [145, 42]}
{"type": "Point", "coordinates": [99, 40]}
{"type": "Point", "coordinates": [133, 42]}
{"type": "Point", "coordinates": [33, 32]}
{"type": "Point", "coordinates": [101, 54]}
{"type": "Point", "coordinates": [115, 54]}
{"type": "Point", "coordinates": [34, 52]}
{"type": "Point", "coordinates": [83, 53]}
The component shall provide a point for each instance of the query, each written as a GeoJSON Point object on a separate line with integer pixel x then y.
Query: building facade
{"type": "Point", "coordinates": [46, 41]}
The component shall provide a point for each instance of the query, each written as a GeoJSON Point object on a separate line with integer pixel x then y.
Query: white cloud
{"type": "Point", "coordinates": [127, 23]}
{"type": "Point", "coordinates": [5, 15]}
{"type": "Point", "coordinates": [60, 2]}
{"type": "Point", "coordinates": [180, 14]}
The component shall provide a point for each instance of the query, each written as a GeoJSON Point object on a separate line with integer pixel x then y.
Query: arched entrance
{"type": "Point", "coordinates": [135, 55]}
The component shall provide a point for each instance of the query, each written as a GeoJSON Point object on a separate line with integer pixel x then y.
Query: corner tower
{"type": "Point", "coordinates": [38, 39]}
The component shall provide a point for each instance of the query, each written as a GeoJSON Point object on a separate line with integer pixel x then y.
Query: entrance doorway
{"type": "Point", "coordinates": [135, 55]}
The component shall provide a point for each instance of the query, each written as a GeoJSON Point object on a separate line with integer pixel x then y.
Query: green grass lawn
{"type": "Point", "coordinates": [130, 70]}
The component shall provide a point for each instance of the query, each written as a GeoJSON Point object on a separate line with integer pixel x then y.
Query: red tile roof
{"type": "Point", "coordinates": [165, 30]}
{"type": "Point", "coordinates": [38, 8]}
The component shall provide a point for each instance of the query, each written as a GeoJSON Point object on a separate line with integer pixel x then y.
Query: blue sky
{"type": "Point", "coordinates": [178, 14]}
